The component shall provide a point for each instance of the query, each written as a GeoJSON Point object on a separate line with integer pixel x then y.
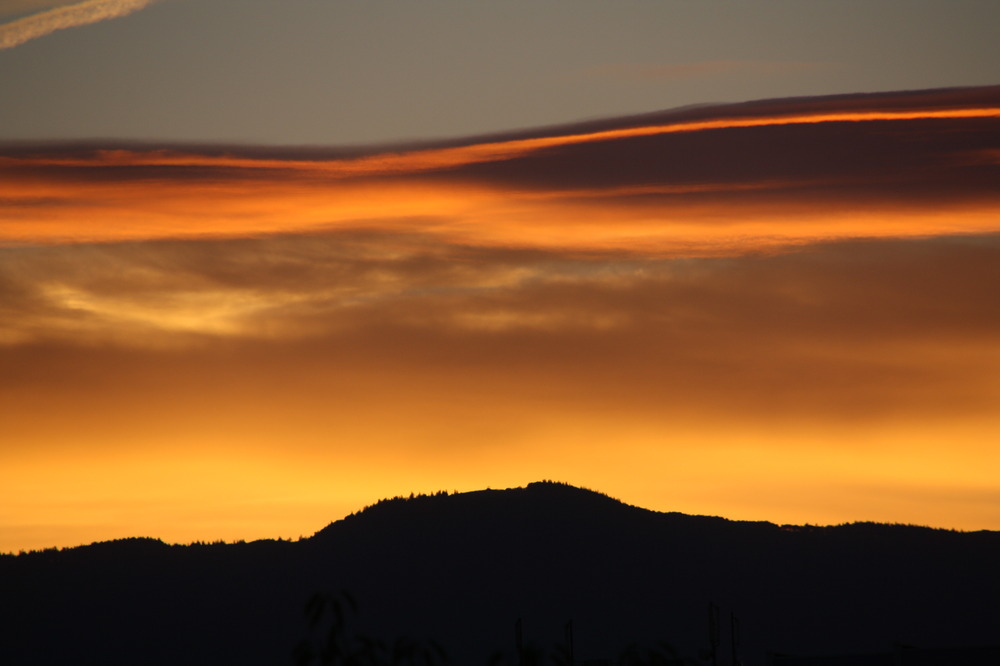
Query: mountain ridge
{"type": "Point", "coordinates": [388, 504]}
{"type": "Point", "coordinates": [462, 568]}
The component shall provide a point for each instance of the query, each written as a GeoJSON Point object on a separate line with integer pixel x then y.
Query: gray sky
{"type": "Point", "coordinates": [347, 71]}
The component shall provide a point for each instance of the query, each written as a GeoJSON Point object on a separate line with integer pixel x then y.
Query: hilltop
{"type": "Point", "coordinates": [462, 569]}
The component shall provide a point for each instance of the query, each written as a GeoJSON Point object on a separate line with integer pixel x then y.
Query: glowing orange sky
{"type": "Point", "coordinates": [786, 316]}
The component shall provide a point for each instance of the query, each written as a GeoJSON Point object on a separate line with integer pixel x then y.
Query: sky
{"type": "Point", "coordinates": [264, 263]}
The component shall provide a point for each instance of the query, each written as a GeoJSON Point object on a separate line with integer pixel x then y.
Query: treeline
{"type": "Point", "coordinates": [331, 640]}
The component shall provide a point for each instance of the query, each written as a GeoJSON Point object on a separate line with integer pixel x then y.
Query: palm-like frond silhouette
{"type": "Point", "coordinates": [332, 642]}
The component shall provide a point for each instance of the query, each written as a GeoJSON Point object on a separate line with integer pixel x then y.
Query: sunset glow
{"type": "Point", "coordinates": [786, 316]}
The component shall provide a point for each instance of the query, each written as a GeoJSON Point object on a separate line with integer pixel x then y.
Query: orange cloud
{"type": "Point", "coordinates": [708, 320]}
{"type": "Point", "coordinates": [723, 180]}
{"type": "Point", "coordinates": [449, 158]}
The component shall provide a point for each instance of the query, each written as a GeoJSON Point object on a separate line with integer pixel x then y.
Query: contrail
{"type": "Point", "coordinates": [70, 16]}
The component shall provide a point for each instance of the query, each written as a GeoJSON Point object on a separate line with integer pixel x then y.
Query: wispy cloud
{"type": "Point", "coordinates": [43, 23]}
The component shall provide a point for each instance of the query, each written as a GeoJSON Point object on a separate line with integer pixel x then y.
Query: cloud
{"type": "Point", "coordinates": [740, 311]}
{"type": "Point", "coordinates": [831, 331]}
{"type": "Point", "coordinates": [722, 180]}
{"type": "Point", "coordinates": [30, 27]}
{"type": "Point", "coordinates": [437, 159]}
{"type": "Point", "coordinates": [395, 357]}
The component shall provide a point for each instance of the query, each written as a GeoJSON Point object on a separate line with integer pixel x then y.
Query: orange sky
{"type": "Point", "coordinates": [767, 312]}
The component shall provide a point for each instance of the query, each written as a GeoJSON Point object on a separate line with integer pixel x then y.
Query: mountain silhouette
{"type": "Point", "coordinates": [463, 570]}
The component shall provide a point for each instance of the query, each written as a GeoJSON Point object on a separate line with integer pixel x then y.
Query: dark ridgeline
{"type": "Point", "coordinates": [581, 576]}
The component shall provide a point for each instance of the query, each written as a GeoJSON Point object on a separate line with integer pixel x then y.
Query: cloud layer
{"type": "Point", "coordinates": [710, 321]}
{"type": "Point", "coordinates": [706, 180]}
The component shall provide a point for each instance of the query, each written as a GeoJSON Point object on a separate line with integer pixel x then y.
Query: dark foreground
{"type": "Point", "coordinates": [460, 579]}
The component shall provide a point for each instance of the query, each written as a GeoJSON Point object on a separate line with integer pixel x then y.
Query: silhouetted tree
{"type": "Point", "coordinates": [332, 642]}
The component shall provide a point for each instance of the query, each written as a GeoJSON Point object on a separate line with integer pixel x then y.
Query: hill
{"type": "Point", "coordinates": [463, 569]}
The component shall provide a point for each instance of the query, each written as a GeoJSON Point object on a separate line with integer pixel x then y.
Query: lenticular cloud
{"type": "Point", "coordinates": [69, 16]}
